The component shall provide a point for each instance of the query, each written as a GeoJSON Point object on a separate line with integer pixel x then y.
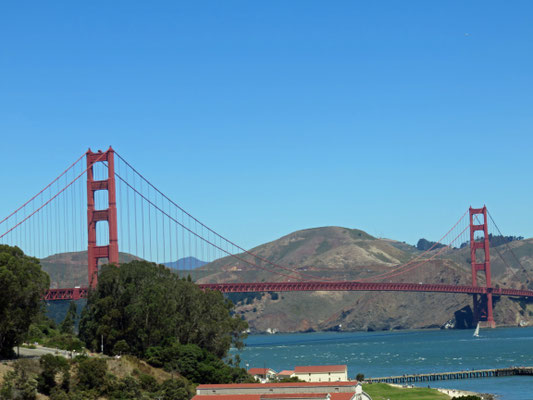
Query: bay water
{"type": "Point", "coordinates": [377, 354]}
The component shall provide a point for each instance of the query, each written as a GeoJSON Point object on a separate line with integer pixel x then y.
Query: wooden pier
{"type": "Point", "coordinates": [442, 376]}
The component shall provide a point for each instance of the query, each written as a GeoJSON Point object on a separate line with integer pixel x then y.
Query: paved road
{"type": "Point", "coordinates": [40, 351]}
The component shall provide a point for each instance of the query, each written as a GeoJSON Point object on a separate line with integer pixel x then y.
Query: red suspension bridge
{"type": "Point", "coordinates": [101, 203]}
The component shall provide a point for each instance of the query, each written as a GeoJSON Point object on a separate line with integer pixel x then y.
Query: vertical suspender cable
{"type": "Point", "coordinates": [156, 230]}
{"type": "Point", "coordinates": [128, 200]}
{"type": "Point", "coordinates": [135, 216]}
{"type": "Point", "coordinates": [143, 235]}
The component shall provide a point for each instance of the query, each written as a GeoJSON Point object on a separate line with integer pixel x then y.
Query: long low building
{"type": "Point", "coordinates": [310, 396]}
{"type": "Point", "coordinates": [282, 391]}
{"type": "Point", "coordinates": [322, 373]}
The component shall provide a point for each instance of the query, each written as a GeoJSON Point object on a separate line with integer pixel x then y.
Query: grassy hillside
{"type": "Point", "coordinates": [382, 391]}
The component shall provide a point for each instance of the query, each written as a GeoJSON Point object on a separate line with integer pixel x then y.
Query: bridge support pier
{"type": "Point", "coordinates": [482, 305]}
{"type": "Point", "coordinates": [483, 309]}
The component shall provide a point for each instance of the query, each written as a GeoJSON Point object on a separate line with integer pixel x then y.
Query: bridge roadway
{"type": "Point", "coordinates": [308, 286]}
{"type": "Point", "coordinates": [440, 376]}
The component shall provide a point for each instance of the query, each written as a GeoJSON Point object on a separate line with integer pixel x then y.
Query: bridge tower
{"type": "Point", "coordinates": [481, 262]}
{"type": "Point", "coordinates": [109, 251]}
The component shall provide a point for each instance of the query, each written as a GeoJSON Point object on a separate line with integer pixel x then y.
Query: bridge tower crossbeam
{"type": "Point", "coordinates": [482, 304]}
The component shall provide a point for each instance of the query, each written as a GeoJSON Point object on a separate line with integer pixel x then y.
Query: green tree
{"type": "Point", "coordinates": [52, 366]}
{"type": "Point", "coordinates": [196, 364]}
{"type": "Point", "coordinates": [174, 389]}
{"type": "Point", "coordinates": [67, 326]}
{"type": "Point", "coordinates": [146, 304]}
{"type": "Point", "coordinates": [22, 284]}
{"type": "Point", "coordinates": [121, 347]}
{"type": "Point", "coordinates": [19, 383]}
{"type": "Point", "coordinates": [92, 375]}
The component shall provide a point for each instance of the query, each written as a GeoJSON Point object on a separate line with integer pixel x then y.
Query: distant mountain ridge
{"type": "Point", "coordinates": [186, 263]}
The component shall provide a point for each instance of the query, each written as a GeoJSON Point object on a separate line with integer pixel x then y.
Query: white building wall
{"type": "Point", "coordinates": [322, 376]}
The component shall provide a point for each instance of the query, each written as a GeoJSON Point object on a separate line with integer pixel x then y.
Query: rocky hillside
{"type": "Point", "coordinates": [339, 254]}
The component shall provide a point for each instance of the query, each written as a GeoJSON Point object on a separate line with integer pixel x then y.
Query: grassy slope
{"type": "Point", "coordinates": [382, 391]}
{"type": "Point", "coordinates": [126, 366]}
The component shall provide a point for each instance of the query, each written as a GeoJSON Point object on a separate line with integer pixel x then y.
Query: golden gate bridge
{"type": "Point", "coordinates": [101, 203]}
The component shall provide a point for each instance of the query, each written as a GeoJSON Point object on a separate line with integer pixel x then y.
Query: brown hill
{"type": "Point", "coordinates": [70, 269]}
{"type": "Point", "coordinates": [340, 254]}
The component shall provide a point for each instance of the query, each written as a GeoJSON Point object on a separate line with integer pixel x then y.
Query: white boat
{"type": "Point", "coordinates": [476, 332]}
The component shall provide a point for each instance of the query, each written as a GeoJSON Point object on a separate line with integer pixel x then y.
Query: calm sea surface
{"type": "Point", "coordinates": [405, 352]}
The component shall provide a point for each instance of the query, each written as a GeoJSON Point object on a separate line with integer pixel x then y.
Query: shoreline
{"type": "Point", "coordinates": [277, 332]}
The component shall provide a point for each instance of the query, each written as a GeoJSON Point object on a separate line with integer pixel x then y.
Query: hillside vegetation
{"type": "Point", "coordinates": [141, 310]}
{"type": "Point", "coordinates": [337, 253]}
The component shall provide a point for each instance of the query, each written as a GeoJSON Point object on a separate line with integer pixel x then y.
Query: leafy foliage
{"type": "Point", "coordinates": [196, 364]}
{"type": "Point", "coordinates": [22, 284]}
{"type": "Point", "coordinates": [424, 244]}
{"type": "Point", "coordinates": [52, 366]}
{"type": "Point", "coordinates": [67, 326]}
{"type": "Point", "coordinates": [146, 305]}
{"type": "Point", "coordinates": [86, 379]}
{"type": "Point", "coordinates": [92, 375]}
{"type": "Point", "coordinates": [19, 384]}
{"type": "Point", "coordinates": [496, 240]}
{"type": "Point", "coordinates": [289, 380]}
{"type": "Point", "coordinates": [121, 347]}
{"type": "Point", "coordinates": [44, 331]}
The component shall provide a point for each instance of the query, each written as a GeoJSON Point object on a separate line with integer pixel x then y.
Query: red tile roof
{"type": "Point", "coordinates": [320, 369]}
{"type": "Point", "coordinates": [260, 371]}
{"type": "Point", "coordinates": [298, 396]}
{"type": "Point", "coordinates": [286, 372]}
{"type": "Point", "coordinates": [227, 397]}
{"type": "Point", "coordinates": [301, 396]}
{"type": "Point", "coordinates": [295, 396]}
{"type": "Point", "coordinates": [272, 385]}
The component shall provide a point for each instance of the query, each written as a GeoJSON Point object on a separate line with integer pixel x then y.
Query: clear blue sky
{"type": "Point", "coordinates": [262, 118]}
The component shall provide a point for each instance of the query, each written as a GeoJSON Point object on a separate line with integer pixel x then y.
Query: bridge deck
{"type": "Point", "coordinates": [79, 293]}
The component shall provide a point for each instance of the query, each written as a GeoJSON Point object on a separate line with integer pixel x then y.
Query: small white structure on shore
{"type": "Point", "coordinates": [263, 375]}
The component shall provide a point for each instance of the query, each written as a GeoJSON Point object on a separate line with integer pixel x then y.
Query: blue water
{"type": "Point", "coordinates": [405, 352]}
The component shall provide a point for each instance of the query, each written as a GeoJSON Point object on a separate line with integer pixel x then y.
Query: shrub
{"type": "Point", "coordinates": [92, 374]}
{"type": "Point", "coordinates": [52, 366]}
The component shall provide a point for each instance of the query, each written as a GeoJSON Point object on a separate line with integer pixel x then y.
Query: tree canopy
{"type": "Point", "coordinates": [22, 285]}
{"type": "Point", "coordinates": [145, 305]}
{"type": "Point", "coordinates": [68, 324]}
